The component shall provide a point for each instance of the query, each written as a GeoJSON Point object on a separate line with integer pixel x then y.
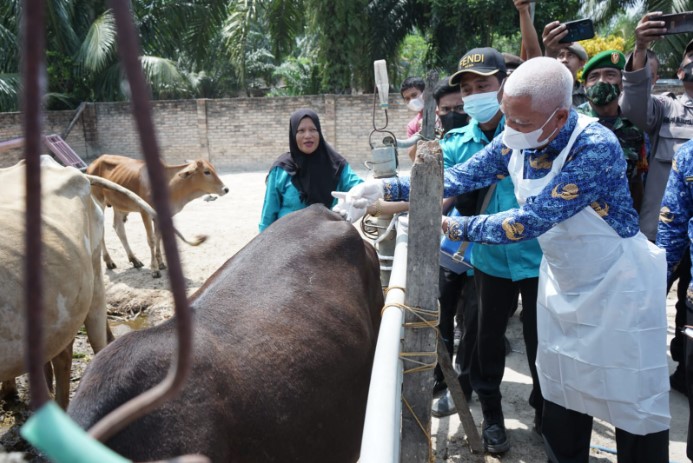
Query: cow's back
{"type": "Point", "coordinates": [72, 229]}
{"type": "Point", "coordinates": [126, 172]}
{"type": "Point", "coordinates": [284, 338]}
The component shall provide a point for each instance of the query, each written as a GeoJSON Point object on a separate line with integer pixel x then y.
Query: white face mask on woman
{"type": "Point", "coordinates": [517, 140]}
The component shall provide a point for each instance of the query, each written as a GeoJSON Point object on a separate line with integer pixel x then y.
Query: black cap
{"type": "Point", "coordinates": [483, 61]}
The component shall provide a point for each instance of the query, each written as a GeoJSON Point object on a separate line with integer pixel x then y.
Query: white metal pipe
{"type": "Point", "coordinates": [381, 432]}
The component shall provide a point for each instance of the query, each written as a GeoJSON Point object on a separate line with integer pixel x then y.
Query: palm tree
{"type": "Point", "coordinates": [279, 22]}
{"type": "Point", "coordinates": [81, 56]}
{"type": "Point", "coordinates": [9, 59]}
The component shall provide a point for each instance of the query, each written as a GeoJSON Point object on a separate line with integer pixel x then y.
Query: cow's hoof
{"type": "Point", "coordinates": [136, 263]}
{"type": "Point", "coordinates": [110, 265]}
{"type": "Point", "coordinates": [162, 266]}
{"type": "Point", "coordinates": [156, 274]}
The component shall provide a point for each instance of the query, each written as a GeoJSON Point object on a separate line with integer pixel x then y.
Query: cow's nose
{"type": "Point", "coordinates": [225, 189]}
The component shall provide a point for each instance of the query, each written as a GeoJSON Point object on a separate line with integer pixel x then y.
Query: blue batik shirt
{"type": "Point", "coordinates": [675, 227]}
{"type": "Point", "coordinates": [515, 261]}
{"type": "Point", "coordinates": [594, 175]}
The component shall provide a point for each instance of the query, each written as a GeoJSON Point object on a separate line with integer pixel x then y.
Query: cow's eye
{"type": "Point", "coordinates": [207, 172]}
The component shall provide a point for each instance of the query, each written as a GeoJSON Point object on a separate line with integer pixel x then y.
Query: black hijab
{"type": "Point", "coordinates": [314, 175]}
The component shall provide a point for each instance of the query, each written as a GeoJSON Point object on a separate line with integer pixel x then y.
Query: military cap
{"type": "Point", "coordinates": [605, 59]}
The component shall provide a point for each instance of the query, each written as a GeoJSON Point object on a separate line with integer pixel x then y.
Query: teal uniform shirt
{"type": "Point", "coordinates": [282, 197]}
{"type": "Point", "coordinates": [515, 261]}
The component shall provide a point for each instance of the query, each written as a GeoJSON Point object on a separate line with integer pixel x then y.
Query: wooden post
{"type": "Point", "coordinates": [461, 405]}
{"type": "Point", "coordinates": [423, 260]}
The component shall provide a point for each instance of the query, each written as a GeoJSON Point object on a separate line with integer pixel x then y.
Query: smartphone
{"type": "Point", "coordinates": [676, 23]}
{"type": "Point", "coordinates": [581, 29]}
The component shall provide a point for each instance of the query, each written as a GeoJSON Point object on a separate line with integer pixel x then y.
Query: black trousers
{"type": "Point", "coordinates": [678, 343]}
{"type": "Point", "coordinates": [484, 343]}
{"type": "Point", "coordinates": [457, 295]}
{"type": "Point", "coordinates": [567, 439]}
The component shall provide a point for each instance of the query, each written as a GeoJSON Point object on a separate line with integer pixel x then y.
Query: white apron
{"type": "Point", "coordinates": [601, 315]}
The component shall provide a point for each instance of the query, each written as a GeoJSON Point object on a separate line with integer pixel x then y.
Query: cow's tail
{"type": "Point", "coordinates": [102, 182]}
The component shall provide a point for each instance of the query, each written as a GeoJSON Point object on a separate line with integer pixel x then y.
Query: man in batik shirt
{"type": "Point", "coordinates": [601, 308]}
{"type": "Point", "coordinates": [674, 234]}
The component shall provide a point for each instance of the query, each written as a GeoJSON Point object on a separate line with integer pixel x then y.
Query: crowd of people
{"type": "Point", "coordinates": [574, 181]}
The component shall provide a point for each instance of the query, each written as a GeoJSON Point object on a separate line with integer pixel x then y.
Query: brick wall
{"type": "Point", "coordinates": [238, 134]}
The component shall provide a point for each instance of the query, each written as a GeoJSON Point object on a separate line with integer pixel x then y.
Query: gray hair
{"type": "Point", "coordinates": [545, 80]}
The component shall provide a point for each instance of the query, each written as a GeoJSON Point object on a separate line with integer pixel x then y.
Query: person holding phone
{"type": "Point", "coordinates": [571, 54]}
{"type": "Point", "coordinates": [668, 121]}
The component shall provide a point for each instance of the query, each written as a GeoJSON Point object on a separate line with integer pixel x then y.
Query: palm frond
{"type": "Point", "coordinates": [98, 47]}
{"type": "Point", "coordinates": [236, 30]}
{"type": "Point", "coordinates": [286, 21]}
{"type": "Point", "coordinates": [59, 19]}
{"type": "Point", "coordinates": [9, 92]}
{"type": "Point", "coordinates": [162, 74]}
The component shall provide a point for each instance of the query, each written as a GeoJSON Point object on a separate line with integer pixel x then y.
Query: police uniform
{"type": "Point", "coordinates": [668, 120]}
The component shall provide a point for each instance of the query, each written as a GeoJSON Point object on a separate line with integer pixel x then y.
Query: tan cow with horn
{"type": "Point", "coordinates": [186, 182]}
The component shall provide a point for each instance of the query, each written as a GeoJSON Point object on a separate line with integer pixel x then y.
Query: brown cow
{"type": "Point", "coordinates": [186, 182]}
{"type": "Point", "coordinates": [284, 337]}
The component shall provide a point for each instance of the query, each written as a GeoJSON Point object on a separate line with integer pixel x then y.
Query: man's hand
{"type": "Point", "coordinates": [353, 204]}
{"type": "Point", "coordinates": [648, 30]}
{"type": "Point", "coordinates": [445, 224]}
{"type": "Point", "coordinates": [522, 5]}
{"type": "Point", "coordinates": [553, 32]}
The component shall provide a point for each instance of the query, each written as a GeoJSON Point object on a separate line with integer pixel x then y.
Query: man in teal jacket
{"type": "Point", "coordinates": [500, 272]}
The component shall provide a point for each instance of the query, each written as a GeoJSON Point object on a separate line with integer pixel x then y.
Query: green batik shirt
{"type": "Point", "coordinates": [631, 139]}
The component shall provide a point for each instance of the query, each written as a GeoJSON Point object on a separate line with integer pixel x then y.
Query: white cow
{"type": "Point", "coordinates": [72, 274]}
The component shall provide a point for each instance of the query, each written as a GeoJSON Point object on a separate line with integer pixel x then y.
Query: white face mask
{"type": "Point", "coordinates": [517, 140]}
{"type": "Point", "coordinates": [416, 104]}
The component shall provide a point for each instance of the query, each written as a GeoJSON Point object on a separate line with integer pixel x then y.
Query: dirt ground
{"type": "Point", "coordinates": [136, 300]}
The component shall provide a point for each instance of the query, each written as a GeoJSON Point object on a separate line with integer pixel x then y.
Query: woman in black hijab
{"type": "Point", "coordinates": [306, 174]}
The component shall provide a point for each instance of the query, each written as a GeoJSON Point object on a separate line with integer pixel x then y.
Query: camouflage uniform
{"type": "Point", "coordinates": [631, 139]}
